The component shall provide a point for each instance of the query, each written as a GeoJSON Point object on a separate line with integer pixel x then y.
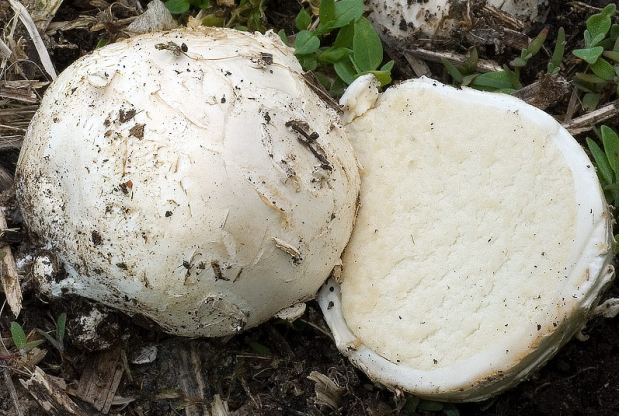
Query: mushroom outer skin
{"type": "Point", "coordinates": [461, 292]}
{"type": "Point", "coordinates": [191, 176]}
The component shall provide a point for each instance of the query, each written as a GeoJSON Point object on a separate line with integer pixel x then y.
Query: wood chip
{"type": "Point", "coordinates": [327, 392]}
{"type": "Point", "coordinates": [588, 121]}
{"type": "Point", "coordinates": [484, 65]}
{"type": "Point", "coordinates": [100, 379]}
{"type": "Point", "coordinates": [50, 396]}
{"type": "Point", "coordinates": [11, 387]}
{"type": "Point", "coordinates": [8, 275]}
{"type": "Point", "coordinates": [544, 92]}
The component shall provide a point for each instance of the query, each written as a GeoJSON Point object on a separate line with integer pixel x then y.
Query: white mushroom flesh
{"type": "Point", "coordinates": [482, 241]}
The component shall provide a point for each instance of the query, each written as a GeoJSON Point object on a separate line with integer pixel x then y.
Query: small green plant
{"type": "Point", "coordinates": [601, 54]}
{"type": "Point", "coordinates": [606, 160]}
{"type": "Point", "coordinates": [356, 49]}
{"type": "Point", "coordinates": [58, 339]}
{"type": "Point", "coordinates": [507, 80]}
{"type": "Point", "coordinates": [181, 6]}
{"type": "Point", "coordinates": [20, 340]}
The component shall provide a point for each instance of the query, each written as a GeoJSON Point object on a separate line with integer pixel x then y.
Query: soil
{"type": "Point", "coordinates": [277, 368]}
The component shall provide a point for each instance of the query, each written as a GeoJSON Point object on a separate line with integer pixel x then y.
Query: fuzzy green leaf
{"type": "Point", "coordinates": [538, 41]}
{"type": "Point", "coordinates": [31, 345]}
{"type": "Point", "coordinates": [303, 19]}
{"type": "Point", "coordinates": [518, 62]}
{"type": "Point", "coordinates": [2, 255]}
{"type": "Point", "coordinates": [367, 49]}
{"type": "Point", "coordinates": [177, 6]}
{"type": "Point", "coordinates": [611, 55]}
{"type": "Point", "coordinates": [599, 24]}
{"type": "Point", "coordinates": [589, 55]}
{"type": "Point", "coordinates": [590, 101]}
{"type": "Point", "coordinates": [602, 164]}
{"type": "Point", "coordinates": [306, 42]}
{"type": "Point", "coordinates": [18, 335]}
{"type": "Point", "coordinates": [603, 69]}
{"type": "Point", "coordinates": [610, 144]}
{"type": "Point", "coordinates": [558, 53]}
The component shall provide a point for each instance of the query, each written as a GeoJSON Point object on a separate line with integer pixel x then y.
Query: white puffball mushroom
{"type": "Point", "coordinates": [191, 176]}
{"type": "Point", "coordinates": [482, 242]}
{"type": "Point", "coordinates": [404, 20]}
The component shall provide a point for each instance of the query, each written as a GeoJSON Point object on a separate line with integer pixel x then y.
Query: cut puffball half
{"type": "Point", "coordinates": [481, 244]}
{"type": "Point", "coordinates": [191, 176]}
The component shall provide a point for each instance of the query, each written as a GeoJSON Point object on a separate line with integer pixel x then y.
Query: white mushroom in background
{"type": "Point", "coordinates": [482, 242]}
{"type": "Point", "coordinates": [191, 176]}
{"type": "Point", "coordinates": [404, 20]}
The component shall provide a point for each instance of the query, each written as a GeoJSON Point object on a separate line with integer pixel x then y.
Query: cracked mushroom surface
{"type": "Point", "coordinates": [191, 176]}
{"type": "Point", "coordinates": [482, 242]}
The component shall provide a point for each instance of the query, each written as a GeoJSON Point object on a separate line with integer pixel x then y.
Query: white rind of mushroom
{"type": "Point", "coordinates": [405, 20]}
{"type": "Point", "coordinates": [191, 176]}
{"type": "Point", "coordinates": [482, 242]}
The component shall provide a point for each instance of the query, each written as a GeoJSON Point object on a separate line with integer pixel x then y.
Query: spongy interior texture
{"type": "Point", "coordinates": [465, 229]}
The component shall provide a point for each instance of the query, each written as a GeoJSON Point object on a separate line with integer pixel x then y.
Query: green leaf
{"type": "Point", "coordinates": [471, 61]}
{"type": "Point", "coordinates": [467, 79]}
{"type": "Point", "coordinates": [303, 20]}
{"type": "Point", "coordinates": [306, 42]}
{"type": "Point", "coordinates": [345, 70]}
{"type": "Point", "coordinates": [518, 62]}
{"type": "Point", "coordinates": [2, 255]}
{"type": "Point", "coordinates": [538, 41]}
{"type": "Point", "coordinates": [201, 4]}
{"type": "Point", "coordinates": [31, 345]}
{"type": "Point", "coordinates": [387, 67]}
{"type": "Point", "coordinates": [610, 144]}
{"type": "Point", "coordinates": [344, 39]}
{"type": "Point", "coordinates": [558, 53]}
{"type": "Point", "coordinates": [603, 69]}
{"type": "Point", "coordinates": [308, 62]}
{"type": "Point", "coordinates": [384, 77]}
{"type": "Point", "coordinates": [613, 33]}
{"type": "Point", "coordinates": [591, 78]}
{"type": "Point", "coordinates": [590, 101]}
{"type": "Point", "coordinates": [259, 348]}
{"type": "Point", "coordinates": [367, 49]}
{"type": "Point", "coordinates": [605, 171]}
{"type": "Point", "coordinates": [283, 36]}
{"type": "Point", "coordinates": [333, 54]}
{"type": "Point", "coordinates": [513, 77]}
{"type": "Point", "coordinates": [177, 6]}
{"type": "Point", "coordinates": [589, 55]}
{"type": "Point", "coordinates": [327, 12]}
{"type": "Point", "coordinates": [18, 335]}
{"type": "Point", "coordinates": [491, 81]}
{"type": "Point", "coordinates": [61, 325]}
{"type": "Point", "coordinates": [429, 406]}
{"type": "Point", "coordinates": [611, 55]}
{"type": "Point", "coordinates": [452, 70]}
{"type": "Point", "coordinates": [599, 24]}
{"type": "Point", "coordinates": [348, 11]}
